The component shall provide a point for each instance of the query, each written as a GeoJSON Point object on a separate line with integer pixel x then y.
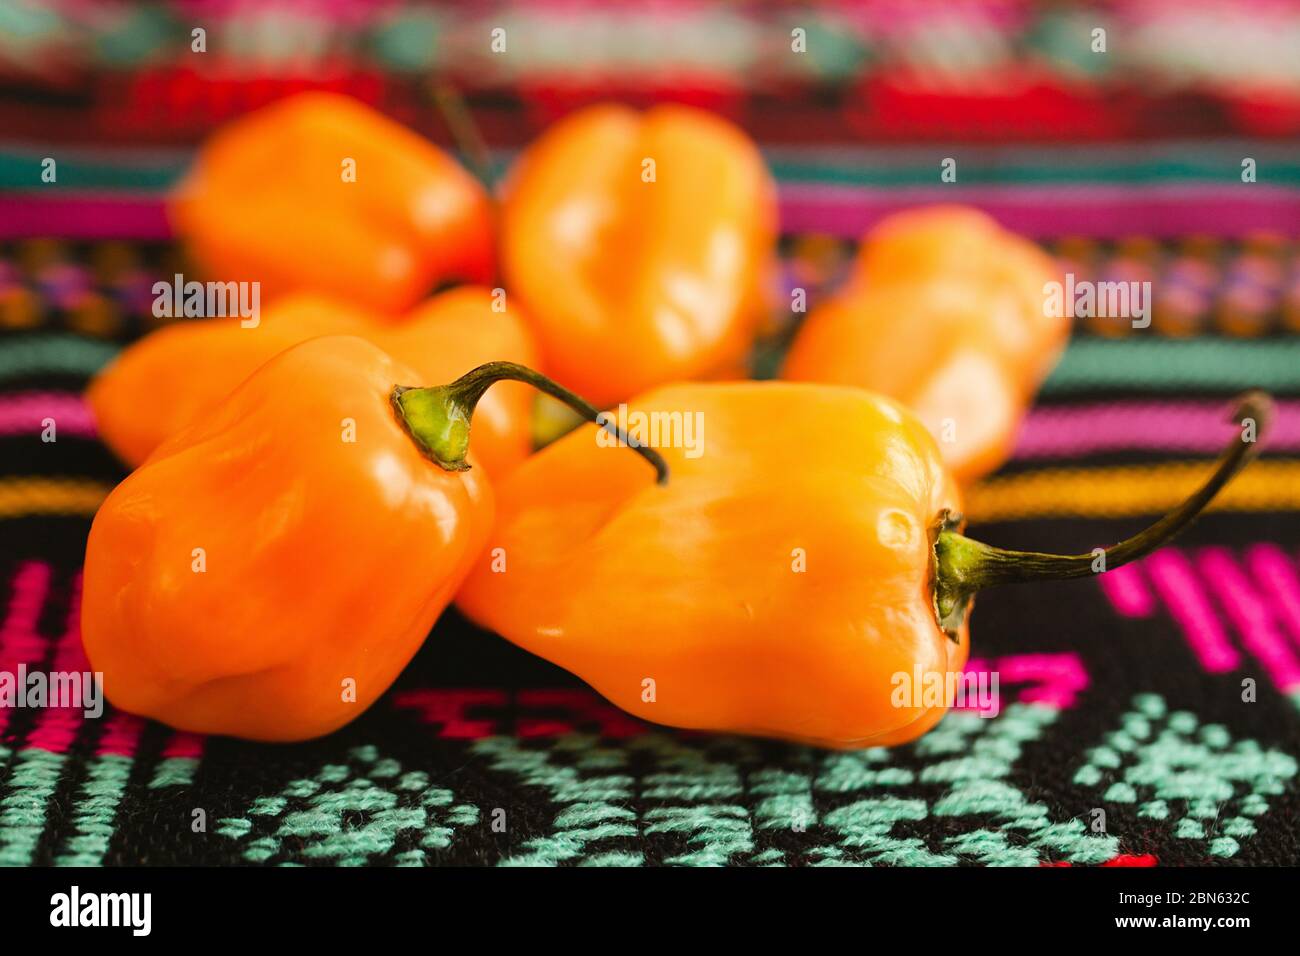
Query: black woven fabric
{"type": "Point", "coordinates": [483, 754]}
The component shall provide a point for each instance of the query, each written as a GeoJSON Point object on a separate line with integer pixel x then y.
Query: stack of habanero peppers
{"type": "Point", "coordinates": [307, 498]}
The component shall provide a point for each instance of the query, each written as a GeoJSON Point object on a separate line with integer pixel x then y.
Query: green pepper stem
{"type": "Point", "coordinates": [964, 566]}
{"type": "Point", "coordinates": [465, 133]}
{"type": "Point", "coordinates": [438, 418]}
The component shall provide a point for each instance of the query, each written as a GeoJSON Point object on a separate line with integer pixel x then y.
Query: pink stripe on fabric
{"type": "Point", "coordinates": [1156, 426]}
{"type": "Point", "coordinates": [451, 707]}
{"type": "Point", "coordinates": [1127, 591]}
{"type": "Point", "coordinates": [1277, 576]}
{"type": "Point", "coordinates": [122, 735]}
{"type": "Point", "coordinates": [181, 744]}
{"type": "Point", "coordinates": [1045, 433]}
{"type": "Point", "coordinates": [19, 641]}
{"type": "Point", "coordinates": [1091, 210]}
{"type": "Point", "coordinates": [57, 727]}
{"type": "Point", "coordinates": [574, 709]}
{"type": "Point", "coordinates": [1250, 615]}
{"type": "Point", "coordinates": [1039, 211]}
{"type": "Point", "coordinates": [82, 217]}
{"type": "Point", "coordinates": [24, 414]}
{"type": "Point", "coordinates": [1054, 680]}
{"type": "Point", "coordinates": [1175, 581]}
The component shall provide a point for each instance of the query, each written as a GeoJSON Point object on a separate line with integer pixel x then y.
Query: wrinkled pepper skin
{"type": "Point", "coordinates": [959, 242]}
{"type": "Point", "coordinates": [267, 200]}
{"type": "Point", "coordinates": [692, 584]}
{"type": "Point", "coordinates": [180, 373]}
{"type": "Point", "coordinates": [326, 560]}
{"type": "Point", "coordinates": [945, 313]}
{"type": "Point", "coordinates": [632, 284]}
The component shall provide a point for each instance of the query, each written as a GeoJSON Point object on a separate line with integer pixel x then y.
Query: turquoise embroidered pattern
{"type": "Point", "coordinates": [1170, 767]}
{"type": "Point", "coordinates": [695, 788]}
{"type": "Point", "coordinates": [350, 815]}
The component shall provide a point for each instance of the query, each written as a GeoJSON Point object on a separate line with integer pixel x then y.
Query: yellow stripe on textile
{"type": "Point", "coordinates": [1128, 490]}
{"type": "Point", "coordinates": [23, 497]}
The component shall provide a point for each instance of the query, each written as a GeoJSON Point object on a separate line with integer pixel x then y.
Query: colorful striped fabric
{"type": "Point", "coordinates": [1178, 188]}
{"type": "Point", "coordinates": [1014, 71]}
{"type": "Point", "coordinates": [1162, 699]}
{"type": "Point", "coordinates": [1123, 695]}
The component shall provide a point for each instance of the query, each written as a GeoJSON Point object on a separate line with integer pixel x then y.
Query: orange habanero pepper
{"type": "Point", "coordinates": [181, 372]}
{"type": "Point", "coordinates": [945, 312]}
{"type": "Point", "coordinates": [272, 567]}
{"type": "Point", "coordinates": [640, 244]}
{"type": "Point", "coordinates": [271, 198]}
{"type": "Point", "coordinates": [782, 580]}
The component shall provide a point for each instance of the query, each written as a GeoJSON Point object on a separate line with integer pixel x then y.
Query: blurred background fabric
{"type": "Point", "coordinates": [1121, 694]}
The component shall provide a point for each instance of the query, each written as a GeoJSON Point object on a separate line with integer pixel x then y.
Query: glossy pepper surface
{"type": "Point", "coordinates": [632, 282]}
{"type": "Point", "coordinates": [272, 567]}
{"type": "Point", "coordinates": [945, 311]}
{"type": "Point", "coordinates": [702, 569]}
{"type": "Point", "coordinates": [180, 373]}
{"type": "Point", "coordinates": [782, 579]}
{"type": "Point", "coordinates": [323, 560]}
{"type": "Point", "coordinates": [323, 193]}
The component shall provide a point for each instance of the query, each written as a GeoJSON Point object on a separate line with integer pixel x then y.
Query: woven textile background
{"type": "Point", "coordinates": [1122, 694]}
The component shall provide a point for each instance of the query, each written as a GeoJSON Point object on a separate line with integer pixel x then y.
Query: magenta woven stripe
{"type": "Point", "coordinates": [25, 413]}
{"type": "Point", "coordinates": [20, 643]}
{"type": "Point", "coordinates": [1232, 209]}
{"type": "Point", "coordinates": [57, 727]}
{"type": "Point", "coordinates": [1253, 615]}
{"type": "Point", "coordinates": [1100, 212]}
{"type": "Point", "coordinates": [82, 217]}
{"type": "Point", "coordinates": [1279, 578]}
{"type": "Point", "coordinates": [1184, 595]}
{"type": "Point", "coordinates": [1152, 426]}
{"type": "Point", "coordinates": [1193, 426]}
